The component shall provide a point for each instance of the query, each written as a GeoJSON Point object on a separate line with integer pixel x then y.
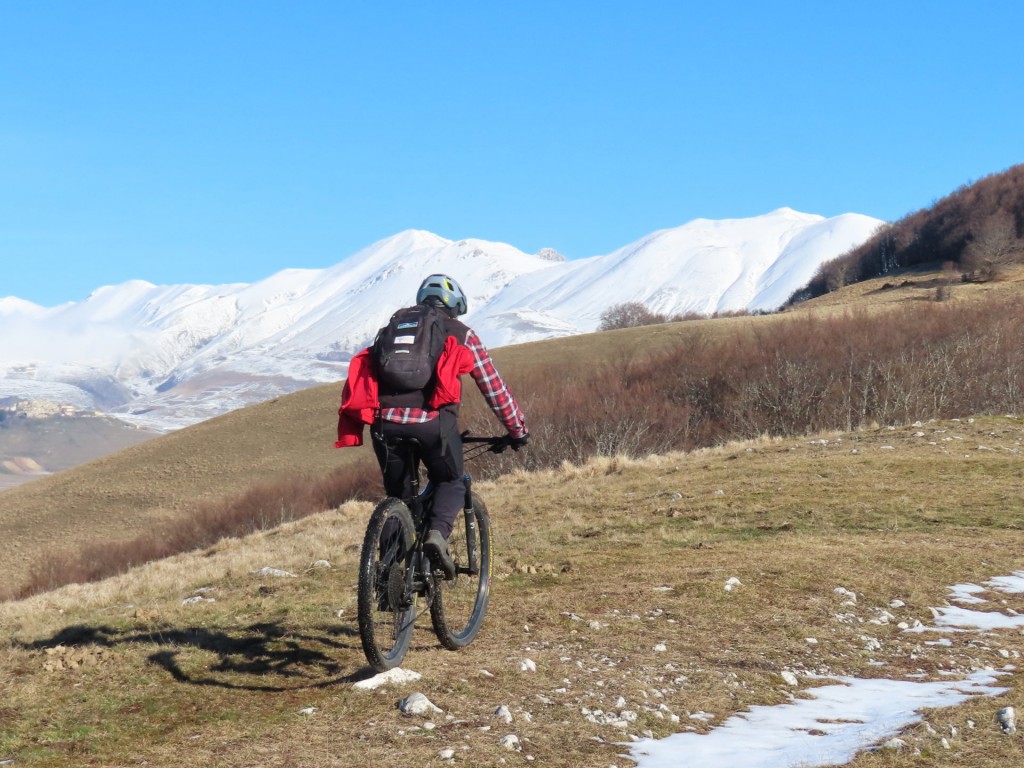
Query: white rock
{"type": "Point", "coordinates": [277, 572]}
{"type": "Point", "coordinates": [895, 744]}
{"type": "Point", "coordinates": [322, 565]}
{"type": "Point", "coordinates": [307, 710]}
{"type": "Point", "coordinates": [1007, 719]}
{"type": "Point", "coordinates": [871, 644]}
{"type": "Point", "coordinates": [732, 583]}
{"type": "Point", "coordinates": [790, 678]}
{"type": "Point", "coordinates": [395, 676]}
{"type": "Point", "coordinates": [660, 648]}
{"type": "Point", "coordinates": [418, 704]}
{"type": "Point", "coordinates": [852, 596]}
{"type": "Point", "coordinates": [196, 599]}
{"type": "Point", "coordinates": [503, 713]}
{"type": "Point", "coordinates": [447, 754]}
{"type": "Point", "coordinates": [511, 743]}
{"type": "Point", "coordinates": [527, 665]}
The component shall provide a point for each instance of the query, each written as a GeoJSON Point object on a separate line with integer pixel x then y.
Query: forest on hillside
{"type": "Point", "coordinates": [979, 228]}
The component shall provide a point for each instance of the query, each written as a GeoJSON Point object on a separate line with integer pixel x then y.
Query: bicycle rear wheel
{"type": "Point", "coordinates": [459, 605]}
{"type": "Point", "coordinates": [387, 610]}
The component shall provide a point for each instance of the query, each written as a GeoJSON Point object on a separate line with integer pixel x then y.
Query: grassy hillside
{"type": "Point", "coordinates": [126, 493]}
{"type": "Point", "coordinates": [610, 577]}
{"type": "Point", "coordinates": [636, 390]}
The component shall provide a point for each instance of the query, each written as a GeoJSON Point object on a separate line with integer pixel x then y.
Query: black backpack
{"type": "Point", "coordinates": [407, 349]}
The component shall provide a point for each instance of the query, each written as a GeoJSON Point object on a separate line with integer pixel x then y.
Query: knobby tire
{"type": "Point", "coordinates": [459, 605]}
{"type": "Point", "coordinates": [387, 612]}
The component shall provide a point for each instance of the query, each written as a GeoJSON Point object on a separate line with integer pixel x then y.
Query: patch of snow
{"type": "Point", "coordinates": [836, 721]}
{"type": "Point", "coordinates": [396, 676]}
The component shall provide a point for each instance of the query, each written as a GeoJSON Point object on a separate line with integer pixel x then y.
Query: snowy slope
{"type": "Point", "coordinates": [703, 267]}
{"type": "Point", "coordinates": [171, 355]}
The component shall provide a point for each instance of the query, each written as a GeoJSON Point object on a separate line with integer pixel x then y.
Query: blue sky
{"type": "Point", "coordinates": [216, 142]}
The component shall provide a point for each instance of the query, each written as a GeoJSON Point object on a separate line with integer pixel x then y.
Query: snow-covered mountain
{"type": "Point", "coordinates": [167, 356]}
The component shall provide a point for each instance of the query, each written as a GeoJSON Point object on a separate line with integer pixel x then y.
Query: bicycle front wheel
{"type": "Point", "coordinates": [459, 605]}
{"type": "Point", "coordinates": [387, 608]}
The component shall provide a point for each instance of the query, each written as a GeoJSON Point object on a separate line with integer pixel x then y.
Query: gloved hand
{"type": "Point", "coordinates": [520, 442]}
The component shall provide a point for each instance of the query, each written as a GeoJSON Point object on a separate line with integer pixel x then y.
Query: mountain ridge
{"type": "Point", "coordinates": [168, 356]}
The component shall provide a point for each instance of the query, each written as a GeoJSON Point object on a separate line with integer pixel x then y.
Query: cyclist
{"type": "Point", "coordinates": [429, 416]}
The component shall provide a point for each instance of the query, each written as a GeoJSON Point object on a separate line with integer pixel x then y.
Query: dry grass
{"type": "Point", "coordinates": [597, 564]}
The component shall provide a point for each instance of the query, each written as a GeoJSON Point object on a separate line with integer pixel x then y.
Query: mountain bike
{"type": "Point", "coordinates": [394, 572]}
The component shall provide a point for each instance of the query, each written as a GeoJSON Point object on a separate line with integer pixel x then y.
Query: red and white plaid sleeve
{"type": "Point", "coordinates": [493, 388]}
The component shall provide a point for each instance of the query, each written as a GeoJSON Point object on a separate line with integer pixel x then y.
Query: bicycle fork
{"type": "Point", "coordinates": [472, 562]}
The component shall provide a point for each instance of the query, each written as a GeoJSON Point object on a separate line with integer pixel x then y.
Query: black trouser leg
{"type": "Point", "coordinates": [442, 457]}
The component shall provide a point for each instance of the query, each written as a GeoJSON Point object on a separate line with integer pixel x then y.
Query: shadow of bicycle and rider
{"type": "Point", "coordinates": [268, 657]}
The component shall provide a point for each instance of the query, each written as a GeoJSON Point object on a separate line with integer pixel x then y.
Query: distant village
{"type": "Point", "coordinates": [38, 409]}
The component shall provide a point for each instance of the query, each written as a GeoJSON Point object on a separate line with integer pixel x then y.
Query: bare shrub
{"type": "Point", "coordinates": [995, 246]}
{"type": "Point", "coordinates": [628, 315]}
{"type": "Point", "coordinates": [795, 376]}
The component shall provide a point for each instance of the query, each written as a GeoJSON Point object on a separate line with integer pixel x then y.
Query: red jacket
{"type": "Point", "coordinates": [360, 402]}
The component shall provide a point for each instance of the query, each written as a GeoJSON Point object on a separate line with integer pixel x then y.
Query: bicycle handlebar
{"type": "Point", "coordinates": [495, 444]}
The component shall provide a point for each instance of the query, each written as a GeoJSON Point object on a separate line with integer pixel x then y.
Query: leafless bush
{"type": "Point", "coordinates": [995, 246]}
{"type": "Point", "coordinates": [795, 376]}
{"type": "Point", "coordinates": [628, 315]}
